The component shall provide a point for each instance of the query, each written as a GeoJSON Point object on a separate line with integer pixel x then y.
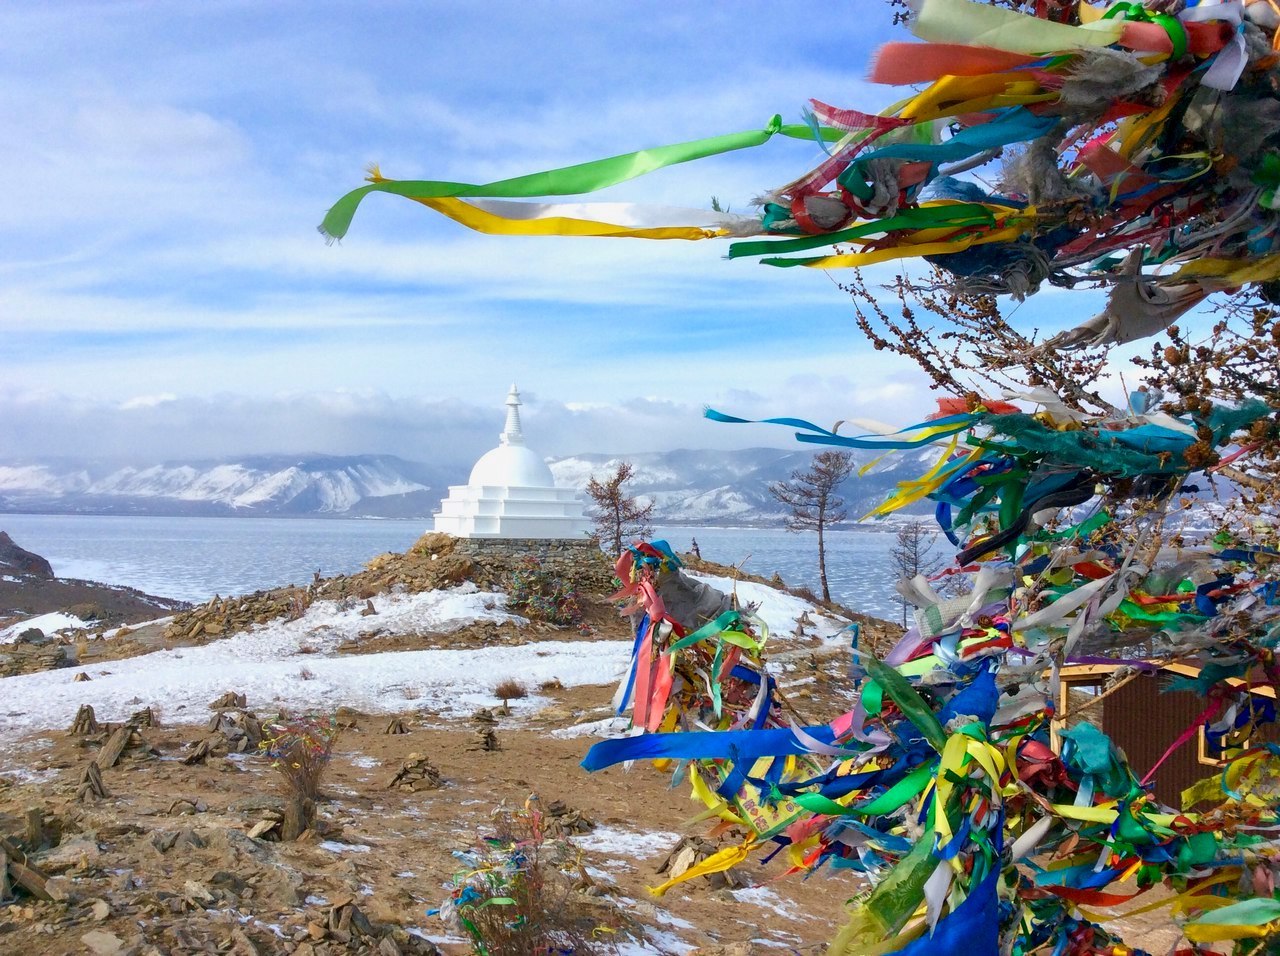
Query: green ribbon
{"type": "Point", "coordinates": [931, 217]}
{"type": "Point", "coordinates": [708, 630]}
{"type": "Point", "coordinates": [1136, 612]}
{"type": "Point", "coordinates": [1082, 530]}
{"type": "Point", "coordinates": [569, 180]}
{"type": "Point", "coordinates": [909, 701]}
{"type": "Point", "coordinates": [899, 894]}
{"type": "Point", "coordinates": [1267, 175]}
{"type": "Point", "coordinates": [895, 798]}
{"type": "Point", "coordinates": [1255, 912]}
{"type": "Point", "coordinates": [872, 698]}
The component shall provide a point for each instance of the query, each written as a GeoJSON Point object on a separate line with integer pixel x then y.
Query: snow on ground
{"type": "Point", "coordinates": [288, 664]}
{"type": "Point", "coordinates": [156, 622]}
{"type": "Point", "coordinates": [607, 728]}
{"type": "Point", "coordinates": [628, 843]}
{"type": "Point", "coordinates": [48, 623]}
{"type": "Point", "coordinates": [780, 610]}
{"type": "Point", "coordinates": [766, 898]}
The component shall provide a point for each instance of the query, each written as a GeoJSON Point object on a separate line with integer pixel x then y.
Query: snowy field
{"type": "Point", "coordinates": [294, 665]}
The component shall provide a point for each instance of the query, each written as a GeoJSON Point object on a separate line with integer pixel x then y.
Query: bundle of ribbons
{"type": "Point", "coordinates": [981, 823]}
{"type": "Point", "coordinates": [1136, 148]}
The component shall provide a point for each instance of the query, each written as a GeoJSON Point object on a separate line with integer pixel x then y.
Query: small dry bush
{"type": "Point", "coordinates": [300, 749]}
{"type": "Point", "coordinates": [509, 690]}
{"type": "Point", "coordinates": [517, 896]}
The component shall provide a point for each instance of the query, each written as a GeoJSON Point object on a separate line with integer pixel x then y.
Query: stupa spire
{"type": "Point", "coordinates": [511, 434]}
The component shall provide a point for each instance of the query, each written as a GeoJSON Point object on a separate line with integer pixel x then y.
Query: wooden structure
{"type": "Point", "coordinates": [1142, 717]}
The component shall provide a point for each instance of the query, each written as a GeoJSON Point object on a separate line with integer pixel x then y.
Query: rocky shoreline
{"type": "Point", "coordinates": [28, 587]}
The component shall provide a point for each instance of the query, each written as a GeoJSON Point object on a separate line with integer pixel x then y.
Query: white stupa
{"type": "Point", "coordinates": [512, 494]}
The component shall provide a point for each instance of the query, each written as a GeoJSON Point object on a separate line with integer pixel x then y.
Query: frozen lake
{"type": "Point", "coordinates": [196, 558]}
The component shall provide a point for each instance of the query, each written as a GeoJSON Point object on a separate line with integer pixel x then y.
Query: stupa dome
{"type": "Point", "coordinates": [512, 494]}
{"type": "Point", "coordinates": [517, 466]}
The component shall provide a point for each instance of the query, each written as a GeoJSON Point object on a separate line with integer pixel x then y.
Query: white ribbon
{"type": "Point", "coordinates": [1224, 72]}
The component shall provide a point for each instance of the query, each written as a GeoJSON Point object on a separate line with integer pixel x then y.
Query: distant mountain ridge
{"type": "Point", "coordinates": [688, 486]}
{"type": "Point", "coordinates": [349, 486]}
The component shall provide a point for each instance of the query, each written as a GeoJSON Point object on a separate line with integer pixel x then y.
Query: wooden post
{"type": "Point", "coordinates": [27, 876]}
{"type": "Point", "coordinates": [33, 832]}
{"type": "Point", "coordinates": [299, 815]}
{"type": "Point", "coordinates": [114, 746]}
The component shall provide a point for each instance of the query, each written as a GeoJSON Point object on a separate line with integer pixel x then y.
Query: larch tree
{"type": "Point", "coordinates": [911, 554]}
{"type": "Point", "coordinates": [810, 494]}
{"type": "Point", "coordinates": [616, 514]}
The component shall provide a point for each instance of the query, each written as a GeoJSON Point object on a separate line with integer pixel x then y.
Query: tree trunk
{"type": "Point", "coordinates": [822, 563]}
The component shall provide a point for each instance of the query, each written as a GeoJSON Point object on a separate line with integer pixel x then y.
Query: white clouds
{"type": "Point", "coordinates": [145, 428]}
{"type": "Point", "coordinates": [147, 401]}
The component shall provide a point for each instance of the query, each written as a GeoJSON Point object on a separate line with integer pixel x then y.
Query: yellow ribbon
{"type": "Point", "coordinates": [483, 221]}
{"type": "Point", "coordinates": [1232, 272]}
{"type": "Point", "coordinates": [954, 95]}
{"type": "Point", "coordinates": [859, 259]}
{"type": "Point", "coordinates": [717, 862]}
{"type": "Point", "coordinates": [908, 492]}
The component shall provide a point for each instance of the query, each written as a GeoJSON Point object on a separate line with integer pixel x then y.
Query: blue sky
{"type": "Point", "coordinates": [164, 292]}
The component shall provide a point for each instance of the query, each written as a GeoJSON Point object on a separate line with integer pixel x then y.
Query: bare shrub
{"type": "Point", "coordinates": [616, 514]}
{"type": "Point", "coordinates": [509, 690]}
{"type": "Point", "coordinates": [300, 749]}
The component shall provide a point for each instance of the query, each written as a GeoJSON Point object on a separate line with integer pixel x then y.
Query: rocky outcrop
{"type": "Point", "coordinates": [18, 560]}
{"type": "Point", "coordinates": [434, 561]}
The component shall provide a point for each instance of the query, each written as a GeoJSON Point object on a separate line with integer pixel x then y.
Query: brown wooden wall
{"type": "Point", "coordinates": [1143, 722]}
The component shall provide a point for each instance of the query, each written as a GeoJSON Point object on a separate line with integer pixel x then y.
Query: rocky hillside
{"type": "Point", "coordinates": [141, 810]}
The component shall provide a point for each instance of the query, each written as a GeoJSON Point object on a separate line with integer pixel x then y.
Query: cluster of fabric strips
{"type": "Point", "coordinates": [1127, 145]}
{"type": "Point", "coordinates": [982, 824]}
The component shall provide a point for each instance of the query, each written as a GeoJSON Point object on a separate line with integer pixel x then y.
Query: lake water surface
{"type": "Point", "coordinates": [196, 558]}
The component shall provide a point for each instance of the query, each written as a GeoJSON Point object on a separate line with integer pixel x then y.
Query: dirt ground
{"type": "Point", "coordinates": [165, 864]}
{"type": "Point", "coordinates": [24, 595]}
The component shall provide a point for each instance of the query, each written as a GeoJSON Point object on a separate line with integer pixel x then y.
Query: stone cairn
{"type": "Point", "coordinates": [417, 773]}
{"type": "Point", "coordinates": [233, 728]}
{"type": "Point", "coordinates": [486, 732]}
{"type": "Point", "coordinates": [561, 820]}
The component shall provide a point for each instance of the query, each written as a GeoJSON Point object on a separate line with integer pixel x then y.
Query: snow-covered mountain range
{"type": "Point", "coordinates": [363, 485]}
{"type": "Point", "coordinates": [689, 487]}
